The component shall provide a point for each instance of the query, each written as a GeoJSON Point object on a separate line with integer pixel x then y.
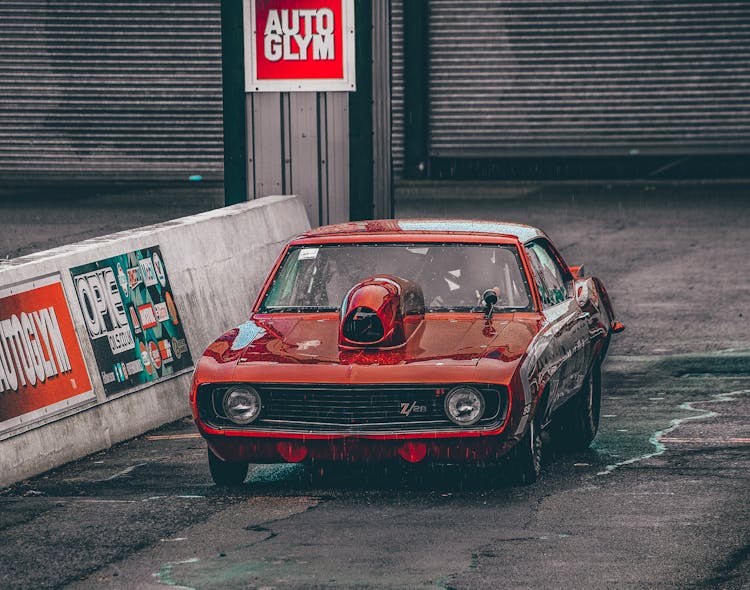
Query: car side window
{"type": "Point", "coordinates": [548, 276]}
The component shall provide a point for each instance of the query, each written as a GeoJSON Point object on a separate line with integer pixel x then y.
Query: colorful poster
{"type": "Point", "coordinates": [299, 45]}
{"type": "Point", "coordinates": [42, 371]}
{"type": "Point", "coordinates": [131, 318]}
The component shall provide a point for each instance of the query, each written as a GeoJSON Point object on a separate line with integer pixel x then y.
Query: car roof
{"type": "Point", "coordinates": [523, 233]}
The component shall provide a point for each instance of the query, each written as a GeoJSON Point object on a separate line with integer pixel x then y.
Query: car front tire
{"type": "Point", "coordinates": [525, 462]}
{"type": "Point", "coordinates": [226, 473]}
{"type": "Point", "coordinates": [580, 420]}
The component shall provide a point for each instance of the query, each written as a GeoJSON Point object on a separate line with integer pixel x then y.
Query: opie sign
{"type": "Point", "coordinates": [131, 319]}
{"type": "Point", "coordinates": [299, 45]}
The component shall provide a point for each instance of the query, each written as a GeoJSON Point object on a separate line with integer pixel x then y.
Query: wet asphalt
{"type": "Point", "coordinates": [660, 500]}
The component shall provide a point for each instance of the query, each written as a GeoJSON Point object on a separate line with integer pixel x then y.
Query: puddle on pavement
{"type": "Point", "coordinates": [646, 398]}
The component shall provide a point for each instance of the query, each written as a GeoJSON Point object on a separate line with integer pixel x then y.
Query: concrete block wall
{"type": "Point", "coordinates": [216, 261]}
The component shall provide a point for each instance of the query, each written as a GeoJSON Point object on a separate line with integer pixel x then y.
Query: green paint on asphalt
{"type": "Point", "coordinates": [656, 395]}
{"type": "Point", "coordinates": [164, 575]}
{"type": "Point", "coordinates": [655, 439]}
{"type": "Point", "coordinates": [274, 472]}
{"type": "Point", "coordinates": [222, 572]}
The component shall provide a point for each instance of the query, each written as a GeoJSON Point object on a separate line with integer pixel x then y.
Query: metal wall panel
{"type": "Point", "coordinates": [265, 136]}
{"type": "Point", "coordinates": [304, 158]}
{"type": "Point", "coordinates": [335, 151]}
{"type": "Point", "coordinates": [300, 145]}
{"type": "Point", "coordinates": [591, 77]}
{"type": "Point", "coordinates": [102, 89]}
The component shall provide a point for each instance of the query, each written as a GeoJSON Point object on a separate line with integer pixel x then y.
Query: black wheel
{"type": "Point", "coordinates": [525, 460]}
{"type": "Point", "coordinates": [226, 473]}
{"type": "Point", "coordinates": [580, 418]}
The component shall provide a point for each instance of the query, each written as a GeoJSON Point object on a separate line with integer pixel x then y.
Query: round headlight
{"type": "Point", "coordinates": [242, 404]}
{"type": "Point", "coordinates": [464, 405]}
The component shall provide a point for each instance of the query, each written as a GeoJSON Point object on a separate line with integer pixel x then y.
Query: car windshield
{"type": "Point", "coordinates": [452, 276]}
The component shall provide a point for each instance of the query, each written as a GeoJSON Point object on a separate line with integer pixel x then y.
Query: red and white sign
{"type": "Point", "coordinates": [147, 314]}
{"type": "Point", "coordinates": [299, 45]}
{"type": "Point", "coordinates": [42, 371]}
{"type": "Point", "coordinates": [153, 349]}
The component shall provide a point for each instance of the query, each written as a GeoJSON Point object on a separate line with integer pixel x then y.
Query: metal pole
{"type": "Point", "coordinates": [233, 84]}
{"type": "Point", "coordinates": [361, 205]}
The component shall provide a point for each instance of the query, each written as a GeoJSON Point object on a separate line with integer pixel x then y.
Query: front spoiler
{"type": "Point", "coordinates": [352, 449]}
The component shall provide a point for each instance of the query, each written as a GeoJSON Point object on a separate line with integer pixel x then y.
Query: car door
{"type": "Point", "coordinates": [566, 331]}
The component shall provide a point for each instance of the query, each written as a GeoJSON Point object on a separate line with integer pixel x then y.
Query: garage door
{"type": "Point", "coordinates": [541, 77]}
{"type": "Point", "coordinates": [103, 88]}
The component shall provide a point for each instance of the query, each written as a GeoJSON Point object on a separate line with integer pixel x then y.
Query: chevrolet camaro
{"type": "Point", "coordinates": [415, 340]}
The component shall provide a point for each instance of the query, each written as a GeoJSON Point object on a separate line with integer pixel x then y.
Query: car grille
{"type": "Point", "coordinates": [346, 408]}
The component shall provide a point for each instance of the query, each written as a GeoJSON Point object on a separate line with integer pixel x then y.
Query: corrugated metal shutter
{"type": "Point", "coordinates": [381, 111]}
{"type": "Point", "coordinates": [547, 77]}
{"type": "Point", "coordinates": [111, 89]}
{"type": "Point", "coordinates": [397, 88]}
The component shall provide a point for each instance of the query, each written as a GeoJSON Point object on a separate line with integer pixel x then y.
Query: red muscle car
{"type": "Point", "coordinates": [429, 340]}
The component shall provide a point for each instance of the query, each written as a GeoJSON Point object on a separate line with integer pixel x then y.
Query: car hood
{"type": "Point", "coordinates": [305, 349]}
{"type": "Point", "coordinates": [440, 340]}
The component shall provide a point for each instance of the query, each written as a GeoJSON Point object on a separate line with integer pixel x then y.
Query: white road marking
{"type": "Point", "coordinates": [121, 473]}
{"type": "Point", "coordinates": [172, 436]}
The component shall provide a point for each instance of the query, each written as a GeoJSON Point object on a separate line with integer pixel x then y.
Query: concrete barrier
{"type": "Point", "coordinates": [216, 262]}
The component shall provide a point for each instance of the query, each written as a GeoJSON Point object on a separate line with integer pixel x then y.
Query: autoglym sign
{"type": "Point", "coordinates": [299, 45]}
{"type": "Point", "coordinates": [42, 370]}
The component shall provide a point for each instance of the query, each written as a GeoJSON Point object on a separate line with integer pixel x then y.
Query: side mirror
{"type": "Point", "coordinates": [582, 292]}
{"type": "Point", "coordinates": [577, 271]}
